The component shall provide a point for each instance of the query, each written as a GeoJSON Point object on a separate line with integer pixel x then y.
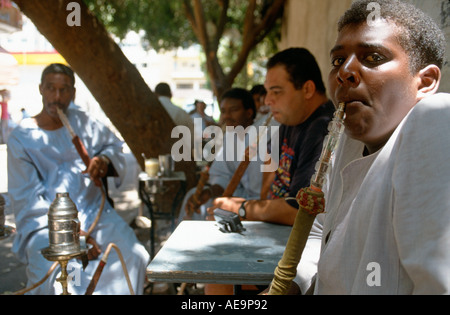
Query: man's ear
{"type": "Point", "coordinates": [250, 112]}
{"type": "Point", "coordinates": [309, 87]}
{"type": "Point", "coordinates": [429, 80]}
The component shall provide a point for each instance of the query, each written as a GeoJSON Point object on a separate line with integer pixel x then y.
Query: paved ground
{"type": "Point", "coordinates": [12, 272]}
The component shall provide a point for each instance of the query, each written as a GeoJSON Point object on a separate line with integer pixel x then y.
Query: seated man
{"type": "Point", "coordinates": [386, 228]}
{"type": "Point", "coordinates": [42, 161]}
{"type": "Point", "coordinates": [237, 109]}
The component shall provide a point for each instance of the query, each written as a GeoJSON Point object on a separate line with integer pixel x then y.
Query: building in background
{"type": "Point", "coordinates": [10, 17]}
{"type": "Point", "coordinates": [180, 68]}
{"type": "Point", "coordinates": [10, 22]}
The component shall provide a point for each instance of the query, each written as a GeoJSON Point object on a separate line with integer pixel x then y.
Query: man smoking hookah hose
{"type": "Point", "coordinates": [311, 202]}
{"type": "Point", "coordinates": [81, 149]}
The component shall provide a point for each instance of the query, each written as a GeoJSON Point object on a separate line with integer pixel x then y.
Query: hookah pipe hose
{"type": "Point", "coordinates": [90, 289]}
{"type": "Point", "coordinates": [81, 149]}
{"type": "Point", "coordinates": [311, 202]}
{"type": "Point", "coordinates": [204, 176]}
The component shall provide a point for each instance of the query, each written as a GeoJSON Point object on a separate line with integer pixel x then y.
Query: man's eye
{"type": "Point", "coordinates": [276, 92]}
{"type": "Point", "coordinates": [375, 58]}
{"type": "Point", "coordinates": [336, 62]}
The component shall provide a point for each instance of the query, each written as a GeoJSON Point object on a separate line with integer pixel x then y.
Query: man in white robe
{"type": "Point", "coordinates": [43, 161]}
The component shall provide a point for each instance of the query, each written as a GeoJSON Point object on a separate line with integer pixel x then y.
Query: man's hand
{"type": "Point", "coordinates": [226, 203]}
{"type": "Point", "coordinates": [97, 169]}
{"type": "Point", "coordinates": [95, 250]}
{"type": "Point", "coordinates": [193, 206]}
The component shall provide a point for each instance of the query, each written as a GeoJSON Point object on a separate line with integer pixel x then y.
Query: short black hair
{"type": "Point", "coordinates": [58, 68]}
{"type": "Point", "coordinates": [301, 66]}
{"type": "Point", "coordinates": [258, 89]}
{"type": "Point", "coordinates": [163, 89]}
{"type": "Point", "coordinates": [418, 33]}
{"type": "Point", "coordinates": [241, 94]}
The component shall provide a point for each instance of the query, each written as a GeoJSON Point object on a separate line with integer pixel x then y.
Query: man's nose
{"type": "Point", "coordinates": [349, 72]}
{"type": "Point", "coordinates": [56, 95]}
{"type": "Point", "coordinates": [268, 100]}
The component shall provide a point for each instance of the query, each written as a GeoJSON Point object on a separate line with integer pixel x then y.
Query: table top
{"type": "Point", "coordinates": [198, 252]}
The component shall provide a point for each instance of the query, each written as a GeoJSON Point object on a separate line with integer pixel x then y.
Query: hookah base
{"type": "Point", "coordinates": [51, 255]}
{"type": "Point", "coordinates": [6, 232]}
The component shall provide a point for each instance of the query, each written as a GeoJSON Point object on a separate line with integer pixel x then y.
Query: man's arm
{"type": "Point", "coordinates": [273, 211]}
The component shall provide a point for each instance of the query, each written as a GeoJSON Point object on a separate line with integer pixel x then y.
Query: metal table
{"type": "Point", "coordinates": [149, 187]}
{"type": "Point", "coordinates": [198, 252]}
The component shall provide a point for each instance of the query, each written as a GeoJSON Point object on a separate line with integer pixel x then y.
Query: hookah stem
{"type": "Point", "coordinates": [237, 176]}
{"type": "Point", "coordinates": [204, 176]}
{"type": "Point", "coordinates": [102, 264]}
{"type": "Point", "coordinates": [311, 203]}
{"type": "Point", "coordinates": [81, 149]}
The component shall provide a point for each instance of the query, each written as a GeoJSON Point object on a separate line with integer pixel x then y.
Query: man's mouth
{"type": "Point", "coordinates": [352, 106]}
{"type": "Point", "coordinates": [56, 105]}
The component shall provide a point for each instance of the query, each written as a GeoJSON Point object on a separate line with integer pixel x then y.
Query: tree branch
{"type": "Point", "coordinates": [199, 16]}
{"type": "Point", "coordinates": [190, 16]}
{"type": "Point", "coordinates": [255, 35]}
{"type": "Point", "coordinates": [249, 21]}
{"type": "Point", "coordinates": [225, 4]}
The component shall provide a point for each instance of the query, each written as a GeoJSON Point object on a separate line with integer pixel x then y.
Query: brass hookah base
{"type": "Point", "coordinates": [63, 260]}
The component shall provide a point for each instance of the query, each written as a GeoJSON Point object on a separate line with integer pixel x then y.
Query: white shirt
{"type": "Point", "coordinates": [178, 115]}
{"type": "Point", "coordinates": [387, 223]}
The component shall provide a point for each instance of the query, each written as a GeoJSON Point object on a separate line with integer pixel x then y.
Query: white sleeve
{"type": "Point", "coordinates": [421, 215]}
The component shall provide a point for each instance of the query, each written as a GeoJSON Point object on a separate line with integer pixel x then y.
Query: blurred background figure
{"type": "Point", "coordinates": [6, 123]}
{"type": "Point", "coordinates": [259, 94]}
{"type": "Point", "coordinates": [199, 112]}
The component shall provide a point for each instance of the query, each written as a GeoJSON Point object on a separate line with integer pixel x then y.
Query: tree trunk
{"type": "Point", "coordinates": [114, 82]}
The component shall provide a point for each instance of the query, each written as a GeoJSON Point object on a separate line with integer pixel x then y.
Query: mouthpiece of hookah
{"type": "Point", "coordinates": [335, 130]}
